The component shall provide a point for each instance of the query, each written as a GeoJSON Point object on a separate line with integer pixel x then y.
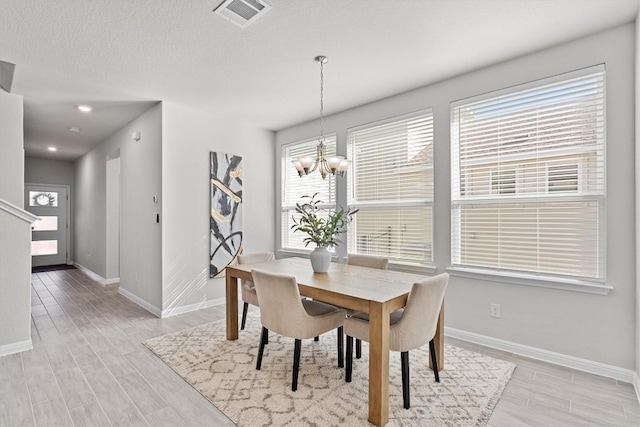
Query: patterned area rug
{"type": "Point", "coordinates": [224, 372]}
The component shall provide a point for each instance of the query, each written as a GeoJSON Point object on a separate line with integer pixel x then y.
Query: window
{"type": "Point", "coordinates": [528, 178]}
{"type": "Point", "coordinates": [38, 198]}
{"type": "Point", "coordinates": [294, 187]}
{"type": "Point", "coordinates": [391, 182]}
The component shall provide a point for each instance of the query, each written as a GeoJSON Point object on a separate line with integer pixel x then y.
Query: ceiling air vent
{"type": "Point", "coordinates": [242, 12]}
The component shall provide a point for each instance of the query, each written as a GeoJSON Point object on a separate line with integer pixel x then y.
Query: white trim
{"type": "Point", "coordinates": [17, 211]}
{"type": "Point", "coordinates": [16, 347]}
{"type": "Point", "coordinates": [550, 282]}
{"type": "Point", "coordinates": [112, 281]}
{"type": "Point", "coordinates": [95, 276]}
{"type": "Point", "coordinates": [636, 385]}
{"type": "Point", "coordinates": [139, 301]}
{"type": "Point", "coordinates": [585, 365]}
{"type": "Point", "coordinates": [192, 307]}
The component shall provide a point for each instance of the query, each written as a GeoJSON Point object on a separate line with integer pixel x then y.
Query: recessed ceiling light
{"type": "Point", "coordinates": [74, 129]}
{"type": "Point", "coordinates": [84, 108]}
{"type": "Point", "coordinates": [52, 149]}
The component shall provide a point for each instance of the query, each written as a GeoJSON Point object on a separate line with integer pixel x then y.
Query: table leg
{"type": "Point", "coordinates": [232, 306]}
{"type": "Point", "coordinates": [438, 340]}
{"type": "Point", "coordinates": [378, 363]}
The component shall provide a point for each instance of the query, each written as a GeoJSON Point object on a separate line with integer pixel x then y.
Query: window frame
{"type": "Point", "coordinates": [429, 266]}
{"type": "Point", "coordinates": [531, 278]}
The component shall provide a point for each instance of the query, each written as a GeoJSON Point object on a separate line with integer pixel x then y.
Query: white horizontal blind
{"type": "Point", "coordinates": [391, 182]}
{"type": "Point", "coordinates": [528, 178]}
{"type": "Point", "coordinates": [294, 187]}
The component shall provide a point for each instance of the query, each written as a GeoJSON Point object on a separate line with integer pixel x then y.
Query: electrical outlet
{"type": "Point", "coordinates": [495, 310]}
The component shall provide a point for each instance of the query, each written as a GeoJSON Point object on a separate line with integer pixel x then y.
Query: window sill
{"type": "Point", "coordinates": [574, 285]}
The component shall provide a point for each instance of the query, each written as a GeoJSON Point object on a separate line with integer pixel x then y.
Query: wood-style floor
{"type": "Point", "coordinates": [89, 368]}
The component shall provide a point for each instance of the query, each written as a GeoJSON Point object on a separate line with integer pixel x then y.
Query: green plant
{"type": "Point", "coordinates": [321, 229]}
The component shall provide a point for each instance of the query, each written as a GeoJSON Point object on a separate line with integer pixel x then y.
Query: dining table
{"type": "Point", "coordinates": [373, 291]}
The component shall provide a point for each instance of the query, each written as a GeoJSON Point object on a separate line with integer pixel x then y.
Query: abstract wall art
{"type": "Point", "coordinates": [226, 211]}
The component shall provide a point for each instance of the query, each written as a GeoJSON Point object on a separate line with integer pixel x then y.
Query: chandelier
{"type": "Point", "coordinates": [334, 165]}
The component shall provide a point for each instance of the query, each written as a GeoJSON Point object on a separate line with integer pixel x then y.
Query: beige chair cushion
{"type": "Point", "coordinates": [370, 261]}
{"type": "Point", "coordinates": [247, 287]}
{"type": "Point", "coordinates": [283, 312]}
{"type": "Point", "coordinates": [413, 326]}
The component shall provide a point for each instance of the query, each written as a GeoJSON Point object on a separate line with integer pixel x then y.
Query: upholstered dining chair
{"type": "Point", "coordinates": [284, 312]}
{"type": "Point", "coordinates": [411, 327]}
{"type": "Point", "coordinates": [370, 261]}
{"type": "Point", "coordinates": [247, 287]}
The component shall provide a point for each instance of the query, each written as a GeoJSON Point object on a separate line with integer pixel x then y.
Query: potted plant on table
{"type": "Point", "coordinates": [322, 227]}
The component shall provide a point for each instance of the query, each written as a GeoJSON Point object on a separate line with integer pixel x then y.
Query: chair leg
{"type": "Point", "coordinates": [434, 361]}
{"type": "Point", "coordinates": [296, 365]}
{"type": "Point", "coordinates": [358, 349]}
{"type": "Point", "coordinates": [404, 361]}
{"type": "Point", "coordinates": [347, 375]}
{"type": "Point", "coordinates": [245, 307]}
{"type": "Point", "coordinates": [263, 341]}
{"type": "Point", "coordinates": [340, 346]}
{"type": "Point", "coordinates": [316, 338]}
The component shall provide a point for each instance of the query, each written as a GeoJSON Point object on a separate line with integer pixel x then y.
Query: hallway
{"type": "Point", "coordinates": [88, 366]}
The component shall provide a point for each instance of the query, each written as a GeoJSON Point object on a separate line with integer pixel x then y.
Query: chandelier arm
{"type": "Point", "coordinates": [315, 165]}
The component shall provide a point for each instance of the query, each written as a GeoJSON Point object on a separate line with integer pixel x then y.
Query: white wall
{"type": "Point", "coordinates": [188, 138]}
{"type": "Point", "coordinates": [637, 200]}
{"type": "Point", "coordinates": [140, 235]}
{"type": "Point", "coordinates": [140, 181]}
{"type": "Point", "coordinates": [15, 284]}
{"type": "Point", "coordinates": [11, 149]}
{"type": "Point", "coordinates": [113, 218]}
{"type": "Point", "coordinates": [593, 327]}
{"type": "Point", "coordinates": [51, 171]}
{"type": "Point", "coordinates": [48, 171]}
{"type": "Point", "coordinates": [15, 234]}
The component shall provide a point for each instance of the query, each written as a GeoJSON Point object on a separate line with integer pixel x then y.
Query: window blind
{"type": "Point", "coordinates": [294, 187]}
{"type": "Point", "coordinates": [528, 178]}
{"type": "Point", "coordinates": [391, 182]}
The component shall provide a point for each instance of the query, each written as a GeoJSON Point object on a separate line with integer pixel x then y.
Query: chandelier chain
{"type": "Point", "coordinates": [326, 165]}
{"type": "Point", "coordinates": [321, 101]}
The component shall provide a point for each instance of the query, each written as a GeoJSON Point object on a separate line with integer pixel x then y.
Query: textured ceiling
{"type": "Point", "coordinates": [121, 55]}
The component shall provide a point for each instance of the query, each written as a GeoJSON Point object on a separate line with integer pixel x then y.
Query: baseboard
{"type": "Point", "coordinates": [139, 301]}
{"type": "Point", "coordinates": [95, 276]}
{"type": "Point", "coordinates": [636, 384]}
{"type": "Point", "coordinates": [192, 307]}
{"type": "Point", "coordinates": [112, 281]}
{"type": "Point", "coordinates": [585, 365]}
{"type": "Point", "coordinates": [16, 347]}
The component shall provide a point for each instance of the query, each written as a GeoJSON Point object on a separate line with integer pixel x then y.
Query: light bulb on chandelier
{"type": "Point", "coordinates": [334, 165]}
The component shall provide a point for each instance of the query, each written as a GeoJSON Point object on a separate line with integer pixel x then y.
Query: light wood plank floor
{"type": "Point", "coordinates": [89, 368]}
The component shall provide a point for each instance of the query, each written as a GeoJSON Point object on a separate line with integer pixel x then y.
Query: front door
{"type": "Point", "coordinates": [49, 239]}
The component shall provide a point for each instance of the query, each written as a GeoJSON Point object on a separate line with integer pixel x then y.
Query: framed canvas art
{"type": "Point", "coordinates": [226, 211]}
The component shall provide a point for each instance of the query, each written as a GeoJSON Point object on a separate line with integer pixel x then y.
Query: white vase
{"type": "Point", "coordinates": [320, 260]}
